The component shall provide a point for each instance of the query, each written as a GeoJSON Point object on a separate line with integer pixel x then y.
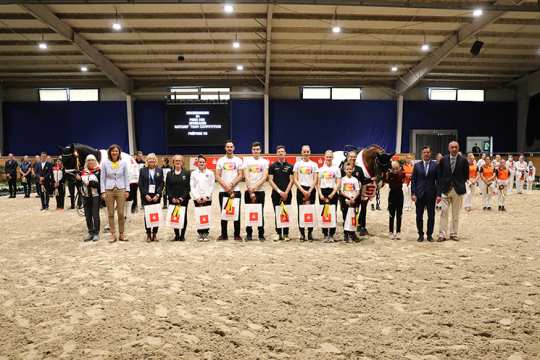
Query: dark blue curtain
{"type": "Point", "coordinates": [497, 119]}
{"type": "Point", "coordinates": [32, 127]}
{"type": "Point", "coordinates": [325, 124]}
{"type": "Point", "coordinates": [533, 120]}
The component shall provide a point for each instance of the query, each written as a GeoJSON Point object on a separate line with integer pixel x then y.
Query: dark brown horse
{"type": "Point", "coordinates": [373, 160]}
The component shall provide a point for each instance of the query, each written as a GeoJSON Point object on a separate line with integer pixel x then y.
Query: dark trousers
{"type": "Point", "coordinates": [12, 184]}
{"type": "Point", "coordinates": [237, 195]}
{"type": "Point", "coordinates": [27, 186]}
{"type": "Point", "coordinates": [363, 214]}
{"type": "Point", "coordinates": [44, 195]}
{"type": "Point", "coordinates": [203, 231]}
{"type": "Point", "coordinates": [61, 195]}
{"type": "Point", "coordinates": [300, 201]}
{"type": "Point", "coordinates": [133, 188]}
{"type": "Point", "coordinates": [91, 213]}
{"type": "Point", "coordinates": [395, 208]}
{"type": "Point", "coordinates": [276, 201]}
{"type": "Point", "coordinates": [144, 202]}
{"type": "Point", "coordinates": [38, 186]}
{"type": "Point", "coordinates": [333, 201]}
{"type": "Point", "coordinates": [422, 204]}
{"type": "Point", "coordinates": [259, 199]}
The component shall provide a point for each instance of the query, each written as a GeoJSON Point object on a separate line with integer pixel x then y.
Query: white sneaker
{"type": "Point", "coordinates": [391, 236]}
{"type": "Point", "coordinates": [397, 236]}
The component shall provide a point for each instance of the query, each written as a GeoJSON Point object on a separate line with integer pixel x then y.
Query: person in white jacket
{"type": "Point", "coordinates": [202, 186]}
{"type": "Point", "coordinates": [511, 165]}
{"type": "Point", "coordinates": [531, 174]}
{"type": "Point", "coordinates": [521, 174]}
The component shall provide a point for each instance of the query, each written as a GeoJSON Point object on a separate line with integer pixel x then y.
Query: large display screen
{"type": "Point", "coordinates": [198, 124]}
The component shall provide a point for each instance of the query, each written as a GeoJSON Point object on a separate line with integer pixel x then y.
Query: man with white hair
{"type": "Point", "coordinates": [453, 172]}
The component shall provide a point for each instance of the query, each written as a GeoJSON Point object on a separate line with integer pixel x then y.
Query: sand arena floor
{"type": "Point", "coordinates": [478, 298]}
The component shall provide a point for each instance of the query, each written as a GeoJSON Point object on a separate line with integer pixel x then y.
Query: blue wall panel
{"type": "Point", "coordinates": [332, 124]}
{"type": "Point", "coordinates": [497, 119]}
{"type": "Point", "coordinates": [32, 127]}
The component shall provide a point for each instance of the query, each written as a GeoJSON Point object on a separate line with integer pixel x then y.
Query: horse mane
{"type": "Point", "coordinates": [375, 147]}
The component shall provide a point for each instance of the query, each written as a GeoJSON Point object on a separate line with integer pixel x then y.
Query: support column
{"type": "Point", "coordinates": [399, 123]}
{"type": "Point", "coordinates": [266, 123]}
{"type": "Point", "coordinates": [522, 113]}
{"type": "Point", "coordinates": [131, 125]}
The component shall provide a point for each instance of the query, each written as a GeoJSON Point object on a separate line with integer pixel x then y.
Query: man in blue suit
{"type": "Point", "coordinates": [424, 193]}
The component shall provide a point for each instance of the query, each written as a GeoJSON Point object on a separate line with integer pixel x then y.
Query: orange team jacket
{"type": "Point", "coordinates": [473, 170]}
{"type": "Point", "coordinates": [503, 173]}
{"type": "Point", "coordinates": [487, 171]}
{"type": "Point", "coordinates": [408, 170]}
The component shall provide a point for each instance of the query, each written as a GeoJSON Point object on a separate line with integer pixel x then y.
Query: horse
{"type": "Point", "coordinates": [373, 160]}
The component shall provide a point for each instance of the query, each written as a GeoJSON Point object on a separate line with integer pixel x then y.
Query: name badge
{"type": "Point", "coordinates": [152, 189]}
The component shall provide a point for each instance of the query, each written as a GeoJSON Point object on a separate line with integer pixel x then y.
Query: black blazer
{"type": "Point", "coordinates": [448, 180]}
{"type": "Point", "coordinates": [424, 185]}
{"type": "Point", "coordinates": [45, 172]}
{"type": "Point", "coordinates": [178, 186]}
{"type": "Point", "coordinates": [10, 168]}
{"type": "Point", "coordinates": [145, 181]}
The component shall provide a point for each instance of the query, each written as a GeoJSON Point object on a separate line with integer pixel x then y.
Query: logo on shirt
{"type": "Point", "coordinates": [256, 169]}
{"type": "Point", "coordinates": [305, 170]}
{"type": "Point", "coordinates": [348, 187]}
{"type": "Point", "coordinates": [229, 166]}
{"type": "Point", "coordinates": [328, 175]}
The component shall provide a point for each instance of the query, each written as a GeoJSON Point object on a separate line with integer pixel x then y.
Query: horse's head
{"type": "Point", "coordinates": [70, 157]}
{"type": "Point", "coordinates": [384, 161]}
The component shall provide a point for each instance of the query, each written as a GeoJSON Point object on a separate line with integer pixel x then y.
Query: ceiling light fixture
{"type": "Point", "coordinates": [84, 68]}
{"type": "Point", "coordinates": [240, 67]}
{"type": "Point", "coordinates": [42, 45]}
{"type": "Point", "coordinates": [228, 8]}
{"type": "Point", "coordinates": [477, 12]}
{"type": "Point", "coordinates": [394, 68]}
{"type": "Point", "coordinates": [336, 29]}
{"type": "Point", "coordinates": [117, 26]}
{"type": "Point", "coordinates": [236, 43]}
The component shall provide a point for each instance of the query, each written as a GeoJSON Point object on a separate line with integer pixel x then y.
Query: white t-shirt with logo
{"type": "Point", "coordinates": [255, 169]}
{"type": "Point", "coordinates": [305, 170]}
{"type": "Point", "coordinates": [230, 168]}
{"type": "Point", "coordinates": [350, 186]}
{"type": "Point", "coordinates": [328, 176]}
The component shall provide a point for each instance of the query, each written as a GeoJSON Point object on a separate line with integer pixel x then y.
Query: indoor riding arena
{"type": "Point", "coordinates": [230, 180]}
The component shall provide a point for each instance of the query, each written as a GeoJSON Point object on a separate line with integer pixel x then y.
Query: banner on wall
{"type": "Point", "coordinates": [211, 160]}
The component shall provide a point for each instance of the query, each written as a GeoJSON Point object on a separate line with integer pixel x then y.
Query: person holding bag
{"type": "Point", "coordinates": [202, 186]}
{"type": "Point", "coordinates": [281, 180]}
{"type": "Point", "coordinates": [305, 179]}
{"type": "Point", "coordinates": [178, 191]}
{"type": "Point", "coordinates": [151, 184]}
{"type": "Point", "coordinates": [328, 187]}
{"type": "Point", "coordinates": [59, 184]}
{"type": "Point", "coordinates": [349, 195]}
{"type": "Point", "coordinates": [90, 177]}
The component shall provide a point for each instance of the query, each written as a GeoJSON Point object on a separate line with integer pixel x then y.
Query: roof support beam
{"type": "Point", "coordinates": [269, 13]}
{"type": "Point", "coordinates": [416, 73]}
{"type": "Point", "coordinates": [44, 14]}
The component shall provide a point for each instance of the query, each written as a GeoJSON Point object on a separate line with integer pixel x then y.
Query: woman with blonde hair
{"type": "Point", "coordinates": [90, 188]}
{"type": "Point", "coordinates": [151, 184]}
{"type": "Point", "coordinates": [178, 189]}
{"type": "Point", "coordinates": [115, 189]}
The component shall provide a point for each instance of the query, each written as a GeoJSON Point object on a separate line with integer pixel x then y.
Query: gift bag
{"type": "Point", "coordinates": [229, 210]}
{"type": "Point", "coordinates": [152, 215]}
{"type": "Point", "coordinates": [254, 215]}
{"type": "Point", "coordinates": [283, 216]}
{"type": "Point", "coordinates": [307, 216]}
{"type": "Point", "coordinates": [176, 215]}
{"type": "Point", "coordinates": [202, 217]}
{"type": "Point", "coordinates": [351, 220]}
{"type": "Point", "coordinates": [327, 216]}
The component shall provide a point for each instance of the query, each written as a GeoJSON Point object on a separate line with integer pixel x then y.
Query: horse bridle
{"type": "Point", "coordinates": [77, 170]}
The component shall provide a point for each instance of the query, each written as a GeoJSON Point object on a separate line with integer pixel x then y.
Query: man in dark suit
{"type": "Point", "coordinates": [424, 192]}
{"type": "Point", "coordinates": [452, 173]}
{"type": "Point", "coordinates": [10, 167]}
{"type": "Point", "coordinates": [44, 172]}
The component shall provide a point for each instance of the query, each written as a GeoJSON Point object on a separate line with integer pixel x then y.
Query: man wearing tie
{"type": "Point", "coordinates": [452, 173]}
{"type": "Point", "coordinates": [44, 172]}
{"type": "Point", "coordinates": [424, 192]}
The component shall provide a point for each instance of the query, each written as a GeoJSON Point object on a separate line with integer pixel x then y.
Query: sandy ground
{"type": "Point", "coordinates": [478, 298]}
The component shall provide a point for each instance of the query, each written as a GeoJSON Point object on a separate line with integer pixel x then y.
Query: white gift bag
{"type": "Point", "coordinates": [283, 216]}
{"type": "Point", "coordinates": [254, 215]}
{"type": "Point", "coordinates": [152, 215]}
{"type": "Point", "coordinates": [351, 221]}
{"type": "Point", "coordinates": [230, 209]}
{"type": "Point", "coordinates": [202, 217]}
{"type": "Point", "coordinates": [176, 215]}
{"type": "Point", "coordinates": [327, 219]}
{"type": "Point", "coordinates": [307, 216]}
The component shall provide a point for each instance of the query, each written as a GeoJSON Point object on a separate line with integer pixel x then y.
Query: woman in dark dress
{"type": "Point", "coordinates": [178, 191]}
{"type": "Point", "coordinates": [151, 187]}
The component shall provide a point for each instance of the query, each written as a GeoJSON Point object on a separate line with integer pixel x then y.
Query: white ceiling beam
{"type": "Point", "coordinates": [44, 14]}
{"type": "Point", "coordinates": [416, 73]}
